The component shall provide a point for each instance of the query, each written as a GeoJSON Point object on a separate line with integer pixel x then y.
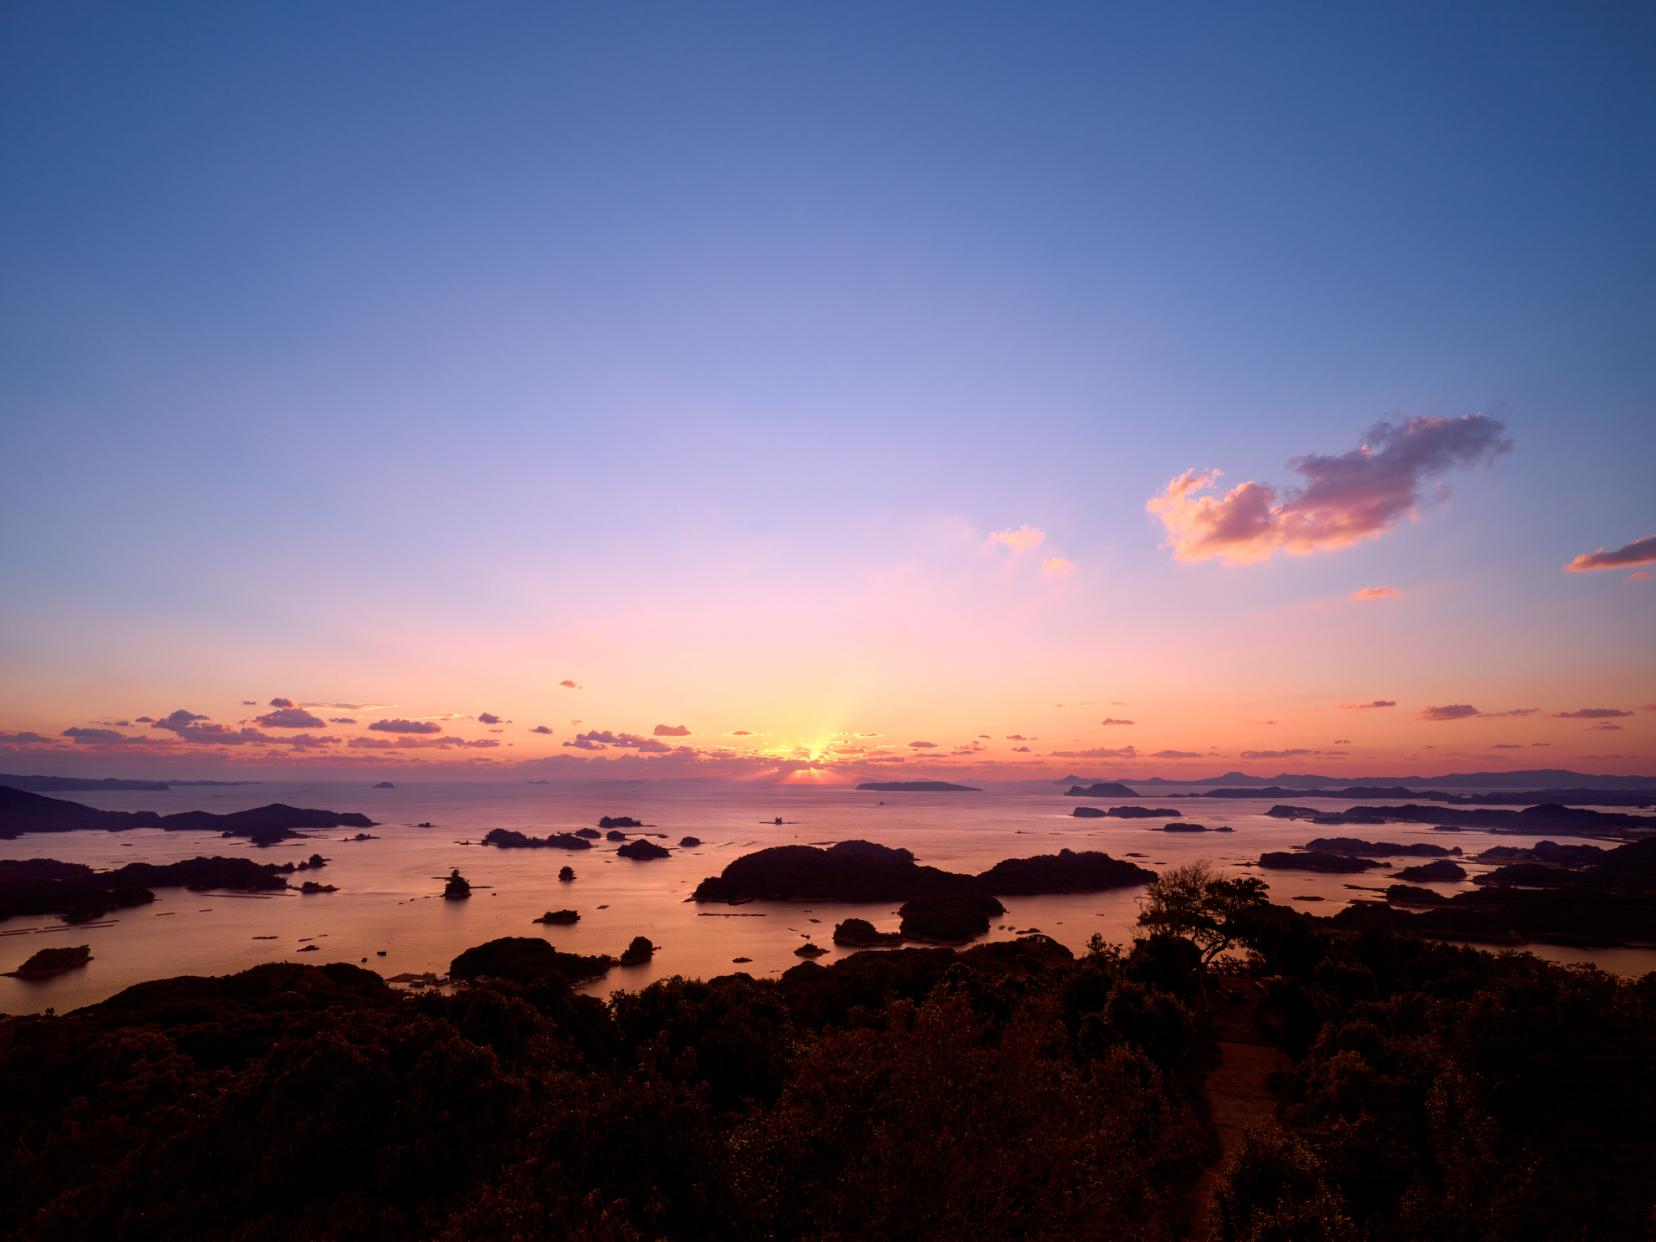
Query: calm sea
{"type": "Point", "coordinates": [389, 897]}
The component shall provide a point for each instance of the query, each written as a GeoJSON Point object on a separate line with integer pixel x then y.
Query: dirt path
{"type": "Point", "coordinates": [1237, 1089]}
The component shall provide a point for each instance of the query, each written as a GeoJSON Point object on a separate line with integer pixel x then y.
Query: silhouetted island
{"type": "Point", "coordinates": [1379, 849]}
{"type": "Point", "coordinates": [864, 871]}
{"type": "Point", "coordinates": [861, 934]}
{"type": "Point", "coordinates": [916, 787]}
{"type": "Point", "coordinates": [385, 785]}
{"type": "Point", "coordinates": [1607, 897]}
{"type": "Point", "coordinates": [1313, 860]}
{"type": "Point", "coordinates": [456, 887]}
{"type": "Point", "coordinates": [73, 784]}
{"type": "Point", "coordinates": [529, 960]}
{"type": "Point", "coordinates": [950, 919]}
{"type": "Point", "coordinates": [1101, 789]}
{"type": "Point", "coordinates": [1127, 812]}
{"type": "Point", "coordinates": [23, 812]}
{"type": "Point", "coordinates": [510, 839]}
{"type": "Point", "coordinates": [642, 850]}
{"type": "Point", "coordinates": [560, 918]}
{"type": "Point", "coordinates": [619, 821]}
{"type": "Point", "coordinates": [1431, 872]}
{"type": "Point", "coordinates": [1549, 818]}
{"type": "Point", "coordinates": [47, 963]}
{"type": "Point", "coordinates": [76, 893]}
{"type": "Point", "coordinates": [1516, 797]}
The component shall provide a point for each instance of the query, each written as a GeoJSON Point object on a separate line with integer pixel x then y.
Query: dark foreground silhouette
{"type": "Point", "coordinates": [1009, 1090]}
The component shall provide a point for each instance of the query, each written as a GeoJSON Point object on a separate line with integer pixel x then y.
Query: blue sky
{"type": "Point", "coordinates": [326, 324]}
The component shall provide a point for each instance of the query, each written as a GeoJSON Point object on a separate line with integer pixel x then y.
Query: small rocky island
{"type": "Point", "coordinates": [1127, 812]}
{"type": "Point", "coordinates": [456, 887]}
{"type": "Point", "coordinates": [1101, 789]}
{"type": "Point", "coordinates": [48, 963]}
{"type": "Point", "coordinates": [642, 850]}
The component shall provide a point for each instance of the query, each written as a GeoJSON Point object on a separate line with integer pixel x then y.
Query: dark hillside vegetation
{"type": "Point", "coordinates": [1005, 1091]}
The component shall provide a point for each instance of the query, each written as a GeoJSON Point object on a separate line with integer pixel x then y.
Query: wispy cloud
{"type": "Point", "coordinates": [1465, 711]}
{"type": "Point", "coordinates": [1380, 592]}
{"type": "Point", "coordinates": [1639, 552]}
{"type": "Point", "coordinates": [1370, 706]}
{"type": "Point", "coordinates": [1449, 711]}
{"type": "Point", "coordinates": [1098, 752]}
{"type": "Point", "coordinates": [1591, 713]}
{"type": "Point", "coordinates": [1356, 495]}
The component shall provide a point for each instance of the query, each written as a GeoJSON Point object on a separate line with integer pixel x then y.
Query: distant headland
{"type": "Point", "coordinates": [1531, 778]}
{"type": "Point", "coordinates": [917, 787]}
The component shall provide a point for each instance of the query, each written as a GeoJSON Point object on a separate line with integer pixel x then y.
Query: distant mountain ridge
{"type": "Point", "coordinates": [38, 783]}
{"type": "Point", "coordinates": [1530, 778]}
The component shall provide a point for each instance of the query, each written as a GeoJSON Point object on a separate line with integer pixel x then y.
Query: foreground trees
{"type": "Point", "coordinates": [1005, 1091]}
{"type": "Point", "coordinates": [1009, 1090]}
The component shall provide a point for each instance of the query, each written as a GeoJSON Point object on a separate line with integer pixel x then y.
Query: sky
{"type": "Point", "coordinates": [812, 392]}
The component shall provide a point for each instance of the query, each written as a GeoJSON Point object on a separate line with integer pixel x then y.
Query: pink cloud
{"type": "Point", "coordinates": [1176, 754]}
{"type": "Point", "coordinates": [1356, 495]}
{"type": "Point", "coordinates": [1639, 552]}
{"type": "Point", "coordinates": [25, 738]}
{"type": "Point", "coordinates": [406, 726]}
{"type": "Point", "coordinates": [1371, 705]}
{"type": "Point", "coordinates": [1056, 566]}
{"type": "Point", "coordinates": [1019, 539]}
{"type": "Point", "coordinates": [1376, 593]}
{"type": "Point", "coordinates": [1450, 711]}
{"type": "Point", "coordinates": [1465, 711]}
{"type": "Point", "coordinates": [922, 745]}
{"type": "Point", "coordinates": [1098, 752]}
{"type": "Point", "coordinates": [1111, 720]}
{"type": "Point", "coordinates": [1591, 713]}
{"type": "Point", "coordinates": [568, 685]}
{"type": "Point", "coordinates": [601, 739]}
{"type": "Point", "coordinates": [662, 730]}
{"type": "Point", "coordinates": [289, 718]}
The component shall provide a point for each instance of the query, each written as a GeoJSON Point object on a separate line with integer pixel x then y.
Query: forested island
{"type": "Point", "coordinates": [24, 812]}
